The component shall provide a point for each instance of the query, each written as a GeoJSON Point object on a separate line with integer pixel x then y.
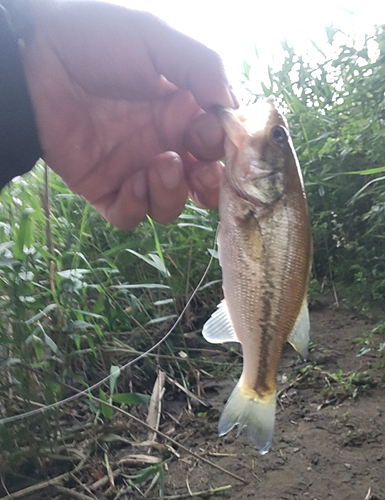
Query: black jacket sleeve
{"type": "Point", "coordinates": [19, 145]}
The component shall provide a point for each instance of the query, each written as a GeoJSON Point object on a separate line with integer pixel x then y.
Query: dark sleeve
{"type": "Point", "coordinates": [19, 145]}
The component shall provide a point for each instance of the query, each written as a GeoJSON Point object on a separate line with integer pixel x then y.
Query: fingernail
{"type": "Point", "coordinates": [171, 173]}
{"type": "Point", "coordinates": [195, 198]}
{"type": "Point", "coordinates": [210, 132]}
{"type": "Point", "coordinates": [209, 177]}
{"type": "Point", "coordinates": [139, 185]}
{"type": "Point", "coordinates": [226, 98]}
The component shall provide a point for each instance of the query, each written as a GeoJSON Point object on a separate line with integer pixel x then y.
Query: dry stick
{"type": "Point", "coordinates": [188, 486]}
{"type": "Point", "coordinates": [37, 487]}
{"type": "Point", "coordinates": [211, 491]}
{"type": "Point", "coordinates": [173, 441]}
{"type": "Point", "coordinates": [155, 406]}
{"type": "Point", "coordinates": [140, 459]}
{"type": "Point", "coordinates": [3, 484]}
{"type": "Point", "coordinates": [72, 493]}
{"type": "Point", "coordinates": [24, 400]}
{"type": "Point", "coordinates": [43, 484]}
{"type": "Point", "coordinates": [85, 487]}
{"type": "Point", "coordinates": [292, 384]}
{"type": "Point", "coordinates": [187, 392]}
{"type": "Point", "coordinates": [102, 481]}
{"type": "Point", "coordinates": [109, 470]}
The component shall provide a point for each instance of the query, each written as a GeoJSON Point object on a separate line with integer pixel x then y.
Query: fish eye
{"type": "Point", "coordinates": [279, 135]}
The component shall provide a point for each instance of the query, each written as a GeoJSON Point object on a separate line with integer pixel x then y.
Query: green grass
{"type": "Point", "coordinates": [78, 298]}
{"type": "Point", "coordinates": [335, 105]}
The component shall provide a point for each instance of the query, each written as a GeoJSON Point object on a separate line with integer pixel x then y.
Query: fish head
{"type": "Point", "coordinates": [259, 151]}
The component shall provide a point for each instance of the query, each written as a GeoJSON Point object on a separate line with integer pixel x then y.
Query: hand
{"type": "Point", "coordinates": [122, 104]}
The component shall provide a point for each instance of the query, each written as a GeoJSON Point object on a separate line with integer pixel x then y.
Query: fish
{"type": "Point", "coordinates": [265, 251]}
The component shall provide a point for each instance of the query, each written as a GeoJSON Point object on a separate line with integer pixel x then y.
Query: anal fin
{"type": "Point", "coordinates": [219, 328]}
{"type": "Point", "coordinates": [299, 337]}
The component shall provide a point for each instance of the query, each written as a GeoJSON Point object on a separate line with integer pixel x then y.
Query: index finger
{"type": "Point", "coordinates": [187, 63]}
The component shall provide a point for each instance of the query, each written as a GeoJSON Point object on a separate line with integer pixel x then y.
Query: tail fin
{"type": "Point", "coordinates": [246, 409]}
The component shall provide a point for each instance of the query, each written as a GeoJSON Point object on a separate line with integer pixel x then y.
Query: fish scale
{"type": "Point", "coordinates": [265, 253]}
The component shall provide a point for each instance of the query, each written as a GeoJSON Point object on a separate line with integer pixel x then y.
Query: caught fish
{"type": "Point", "coordinates": [265, 253]}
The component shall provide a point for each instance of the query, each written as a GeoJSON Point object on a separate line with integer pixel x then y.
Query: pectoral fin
{"type": "Point", "coordinates": [299, 337]}
{"type": "Point", "coordinates": [219, 328]}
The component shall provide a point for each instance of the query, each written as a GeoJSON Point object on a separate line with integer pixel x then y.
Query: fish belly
{"type": "Point", "coordinates": [265, 271]}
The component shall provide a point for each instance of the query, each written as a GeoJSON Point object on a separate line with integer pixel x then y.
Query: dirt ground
{"type": "Point", "coordinates": [329, 436]}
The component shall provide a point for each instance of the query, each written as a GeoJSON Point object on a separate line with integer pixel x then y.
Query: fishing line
{"type": "Point", "coordinates": [85, 392]}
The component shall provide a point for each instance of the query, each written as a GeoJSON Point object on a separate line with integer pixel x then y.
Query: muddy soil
{"type": "Point", "coordinates": [329, 438]}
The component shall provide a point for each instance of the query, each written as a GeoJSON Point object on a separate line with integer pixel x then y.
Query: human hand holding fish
{"type": "Point", "coordinates": [122, 107]}
{"type": "Point", "coordinates": [265, 252]}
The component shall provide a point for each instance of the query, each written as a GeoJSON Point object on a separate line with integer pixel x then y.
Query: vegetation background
{"type": "Point", "coordinates": [78, 298]}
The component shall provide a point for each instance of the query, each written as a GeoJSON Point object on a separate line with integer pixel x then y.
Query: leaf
{"type": "Point", "coordinates": [91, 344]}
{"type": "Point", "coordinates": [131, 398]}
{"type": "Point", "coordinates": [368, 171]}
{"type": "Point", "coordinates": [24, 234]}
{"type": "Point", "coordinates": [198, 226]}
{"type": "Point", "coordinates": [316, 46]}
{"type": "Point", "coordinates": [8, 262]}
{"type": "Point", "coordinates": [80, 312]}
{"type": "Point", "coordinates": [38, 347]}
{"type": "Point", "coordinates": [26, 275]}
{"type": "Point", "coordinates": [107, 411]}
{"type": "Point", "coordinates": [157, 243]}
{"type": "Point", "coordinates": [153, 260]}
{"type": "Point", "coordinates": [73, 325]}
{"type": "Point", "coordinates": [161, 319]}
{"type": "Point", "coordinates": [98, 331]}
{"type": "Point", "coordinates": [145, 474]}
{"type": "Point", "coordinates": [50, 343]}
{"type": "Point", "coordinates": [210, 283]}
{"type": "Point", "coordinates": [114, 374]}
{"type": "Point", "coordinates": [27, 299]}
{"type": "Point", "coordinates": [331, 32]}
{"type": "Point", "coordinates": [356, 196]}
{"type": "Point", "coordinates": [77, 340]}
{"type": "Point", "coordinates": [363, 351]}
{"type": "Point", "coordinates": [246, 65]}
{"type": "Point", "coordinates": [99, 303]}
{"type": "Point", "coordinates": [141, 285]}
{"type": "Point", "coordinates": [92, 405]}
{"type": "Point", "coordinates": [11, 362]}
{"type": "Point", "coordinates": [71, 274]}
{"type": "Point", "coordinates": [44, 253]}
{"type": "Point", "coordinates": [164, 302]}
{"type": "Point", "coordinates": [41, 314]}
